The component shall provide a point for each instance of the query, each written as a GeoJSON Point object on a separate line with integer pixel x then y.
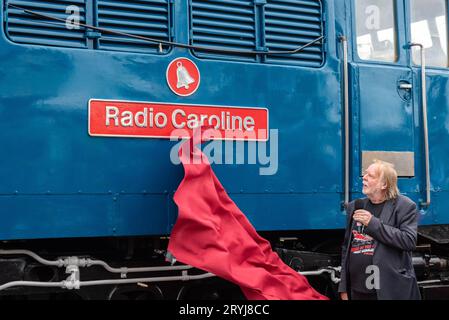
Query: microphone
{"type": "Point", "coordinates": [358, 204]}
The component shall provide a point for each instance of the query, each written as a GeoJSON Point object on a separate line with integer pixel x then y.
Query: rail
{"type": "Point", "coordinates": [344, 42]}
{"type": "Point", "coordinates": [424, 112]}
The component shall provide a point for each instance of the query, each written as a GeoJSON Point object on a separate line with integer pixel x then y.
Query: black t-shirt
{"type": "Point", "coordinates": [362, 250]}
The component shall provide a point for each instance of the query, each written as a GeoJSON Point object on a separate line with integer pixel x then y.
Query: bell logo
{"type": "Point", "coordinates": [183, 77]}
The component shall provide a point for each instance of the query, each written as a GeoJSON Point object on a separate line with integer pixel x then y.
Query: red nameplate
{"type": "Point", "coordinates": [166, 120]}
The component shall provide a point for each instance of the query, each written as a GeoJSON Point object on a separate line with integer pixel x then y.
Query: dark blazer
{"type": "Point", "coordinates": [395, 234]}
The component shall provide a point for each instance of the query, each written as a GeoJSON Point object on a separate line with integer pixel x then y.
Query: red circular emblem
{"type": "Point", "coordinates": [183, 76]}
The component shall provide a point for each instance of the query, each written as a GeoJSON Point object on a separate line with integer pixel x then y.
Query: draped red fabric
{"type": "Point", "coordinates": [212, 234]}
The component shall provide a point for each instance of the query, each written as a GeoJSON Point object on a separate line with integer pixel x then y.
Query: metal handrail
{"type": "Point", "coordinates": [425, 127]}
{"type": "Point", "coordinates": [344, 41]}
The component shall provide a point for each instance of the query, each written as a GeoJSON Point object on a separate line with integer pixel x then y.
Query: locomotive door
{"type": "Point", "coordinates": [381, 93]}
{"type": "Point", "coordinates": [427, 23]}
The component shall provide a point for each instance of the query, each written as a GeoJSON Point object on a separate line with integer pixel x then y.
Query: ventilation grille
{"type": "Point", "coordinates": [271, 25]}
{"type": "Point", "coordinates": [290, 24]}
{"type": "Point", "coordinates": [228, 25]}
{"type": "Point", "coordinates": [23, 27]}
{"type": "Point", "coordinates": [148, 18]}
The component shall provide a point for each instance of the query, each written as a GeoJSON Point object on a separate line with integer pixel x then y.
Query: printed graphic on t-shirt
{"type": "Point", "coordinates": [361, 242]}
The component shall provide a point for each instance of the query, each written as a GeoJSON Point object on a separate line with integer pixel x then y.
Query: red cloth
{"type": "Point", "coordinates": [212, 234]}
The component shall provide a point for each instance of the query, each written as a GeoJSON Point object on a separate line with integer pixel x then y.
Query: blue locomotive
{"type": "Point", "coordinates": [343, 82]}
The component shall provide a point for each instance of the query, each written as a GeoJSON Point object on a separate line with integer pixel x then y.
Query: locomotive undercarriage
{"type": "Point", "coordinates": [102, 269]}
{"type": "Point", "coordinates": [136, 268]}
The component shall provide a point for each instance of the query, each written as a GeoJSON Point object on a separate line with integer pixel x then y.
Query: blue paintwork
{"type": "Point", "coordinates": [57, 181]}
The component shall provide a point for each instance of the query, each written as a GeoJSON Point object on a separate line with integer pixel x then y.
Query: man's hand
{"type": "Point", "coordinates": [343, 295]}
{"type": "Point", "coordinates": [362, 216]}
